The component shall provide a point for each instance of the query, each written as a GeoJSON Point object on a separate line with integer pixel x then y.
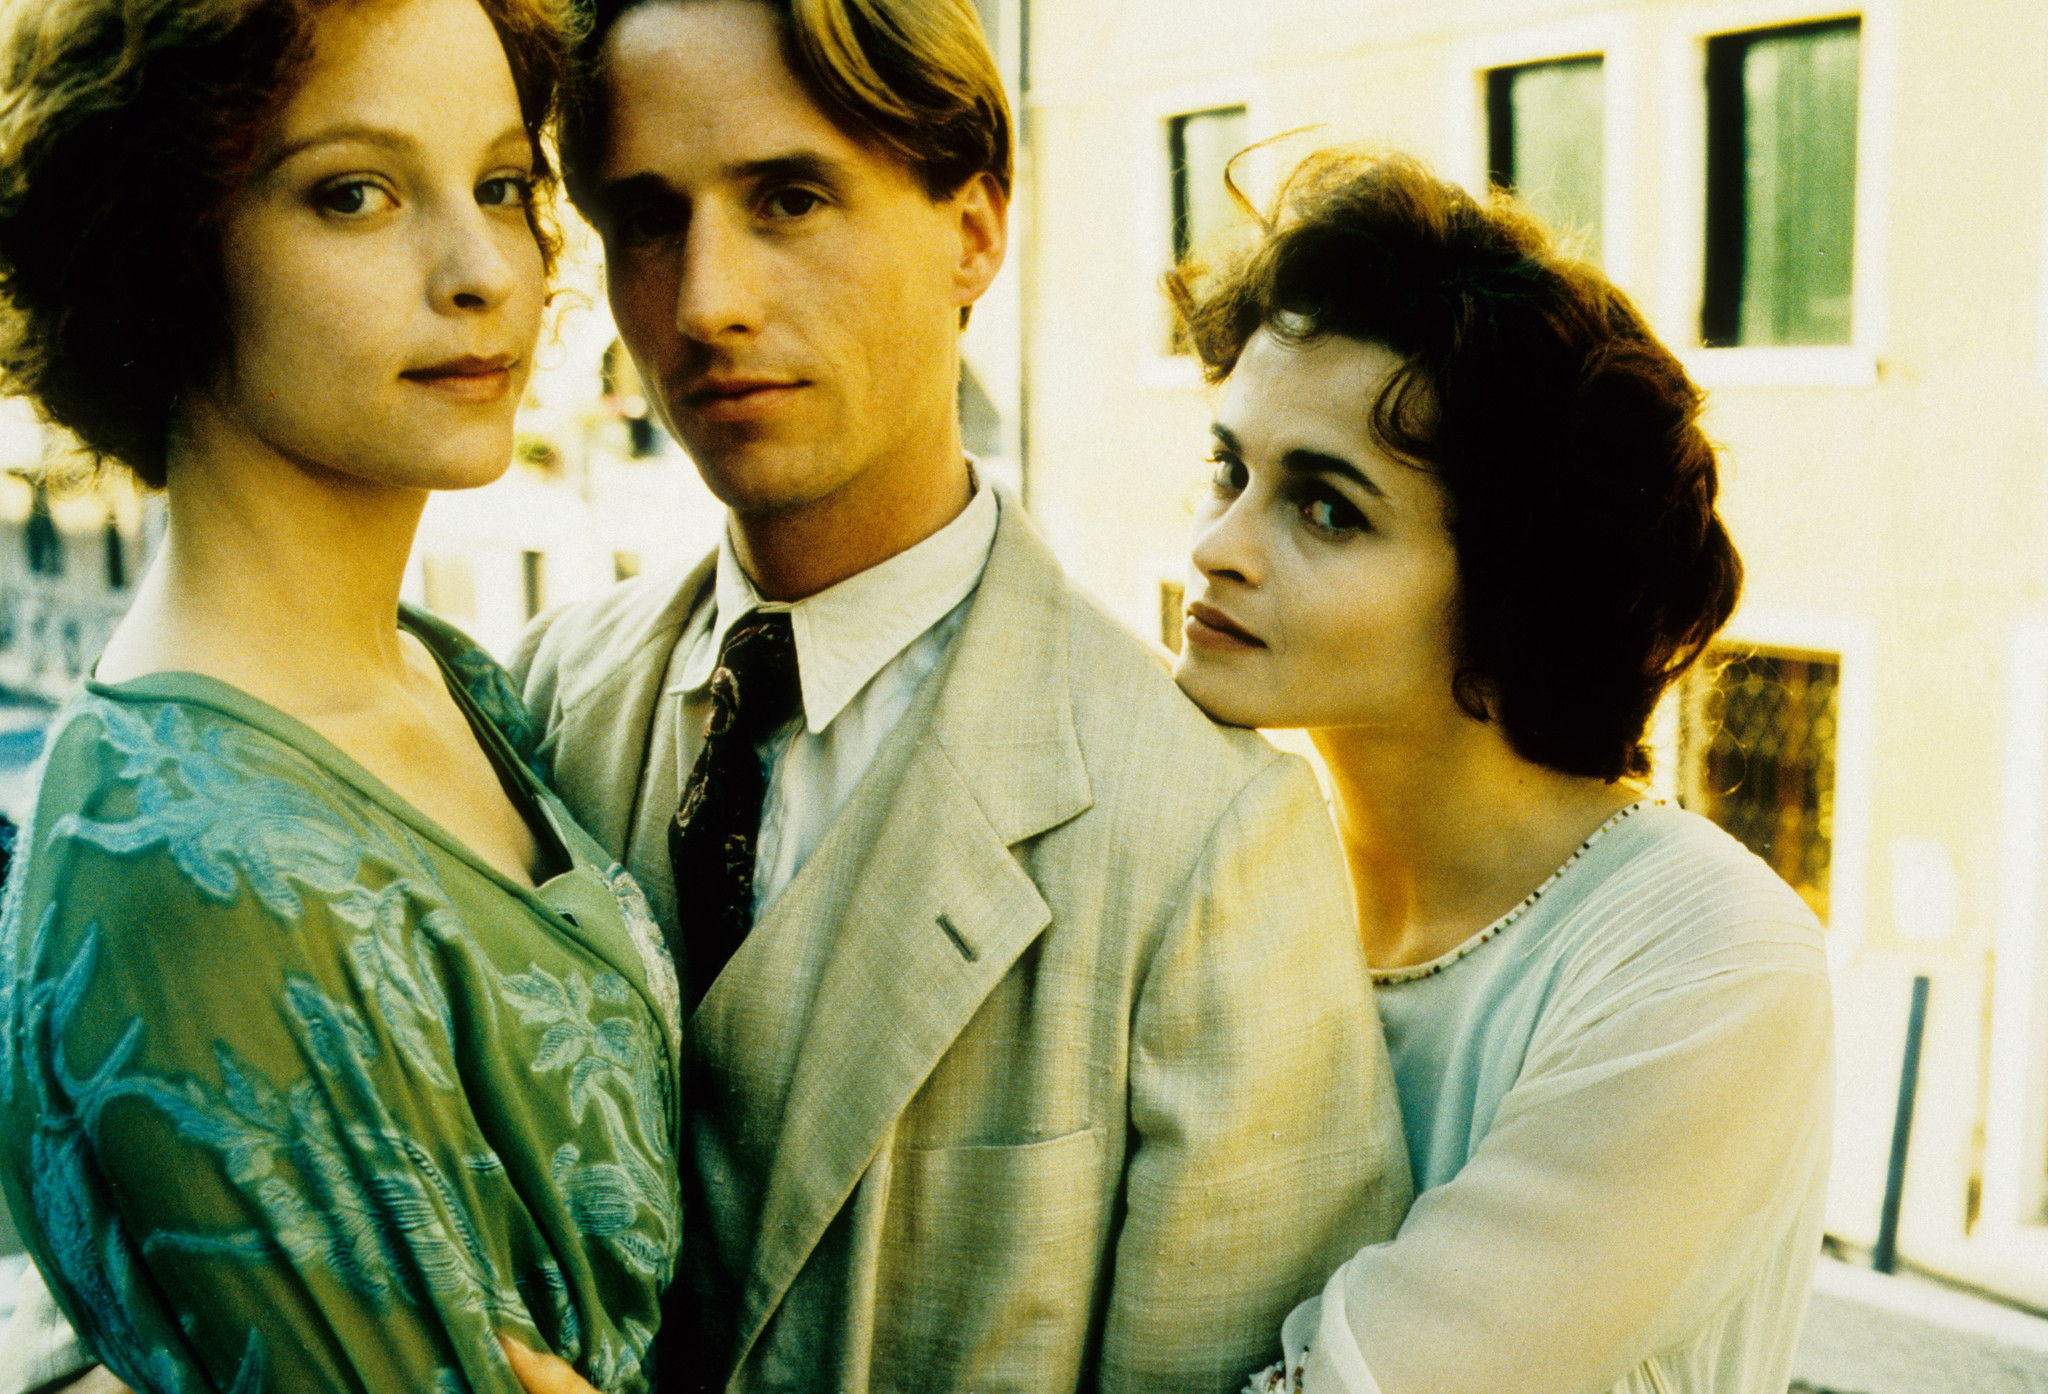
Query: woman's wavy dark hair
{"type": "Point", "coordinates": [1593, 568]}
{"type": "Point", "coordinates": [125, 125]}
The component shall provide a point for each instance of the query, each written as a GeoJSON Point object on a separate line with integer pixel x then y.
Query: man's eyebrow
{"type": "Point", "coordinates": [1304, 461]}
{"type": "Point", "coordinates": [643, 186]}
{"type": "Point", "coordinates": [798, 166]}
{"type": "Point", "coordinates": [805, 165]}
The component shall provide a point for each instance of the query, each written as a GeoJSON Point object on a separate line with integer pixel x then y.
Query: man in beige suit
{"type": "Point", "coordinates": [1049, 1061]}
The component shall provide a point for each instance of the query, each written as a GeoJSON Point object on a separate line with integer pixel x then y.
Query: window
{"type": "Point", "coordinates": [45, 545]}
{"type": "Point", "coordinates": [117, 558]}
{"type": "Point", "coordinates": [1781, 185]}
{"type": "Point", "coordinates": [1199, 145]}
{"type": "Point", "coordinates": [534, 581]}
{"type": "Point", "coordinates": [626, 396]}
{"type": "Point", "coordinates": [1757, 756]}
{"type": "Point", "coordinates": [1172, 596]}
{"type": "Point", "coordinates": [450, 588]}
{"type": "Point", "coordinates": [1545, 142]}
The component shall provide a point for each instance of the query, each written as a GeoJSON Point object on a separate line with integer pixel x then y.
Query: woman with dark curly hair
{"type": "Point", "coordinates": [1462, 530]}
{"type": "Point", "coordinates": [330, 1049]}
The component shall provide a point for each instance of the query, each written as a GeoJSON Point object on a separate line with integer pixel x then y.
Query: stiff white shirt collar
{"type": "Point", "coordinates": [849, 632]}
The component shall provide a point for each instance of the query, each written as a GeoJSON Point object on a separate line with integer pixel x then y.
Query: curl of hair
{"type": "Point", "coordinates": [125, 127]}
{"type": "Point", "coordinates": [914, 77]}
{"type": "Point", "coordinates": [1580, 489]}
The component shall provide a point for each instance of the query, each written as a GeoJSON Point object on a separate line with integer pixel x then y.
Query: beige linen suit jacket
{"type": "Point", "coordinates": [1056, 1065]}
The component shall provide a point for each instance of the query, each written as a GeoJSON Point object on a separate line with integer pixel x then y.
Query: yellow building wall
{"type": "Point", "coordinates": [1899, 516]}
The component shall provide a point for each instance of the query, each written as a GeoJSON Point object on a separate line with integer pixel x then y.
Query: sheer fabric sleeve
{"type": "Point", "coordinates": [1668, 1127]}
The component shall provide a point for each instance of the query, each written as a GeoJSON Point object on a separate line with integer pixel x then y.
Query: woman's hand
{"type": "Point", "coordinates": [543, 1374]}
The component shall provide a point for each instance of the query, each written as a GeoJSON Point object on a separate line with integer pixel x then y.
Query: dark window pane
{"type": "Point", "coordinates": [533, 573]}
{"type": "Point", "coordinates": [1781, 185]}
{"type": "Point", "coordinates": [1757, 756]}
{"type": "Point", "coordinates": [45, 544]}
{"type": "Point", "coordinates": [1199, 146]}
{"type": "Point", "coordinates": [1545, 141]}
{"type": "Point", "coordinates": [117, 558]}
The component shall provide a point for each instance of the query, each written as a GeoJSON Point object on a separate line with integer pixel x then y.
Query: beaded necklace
{"type": "Point", "coordinates": [1394, 977]}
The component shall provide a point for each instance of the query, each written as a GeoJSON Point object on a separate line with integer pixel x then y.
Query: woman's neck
{"type": "Point", "coordinates": [278, 578]}
{"type": "Point", "coordinates": [1445, 833]}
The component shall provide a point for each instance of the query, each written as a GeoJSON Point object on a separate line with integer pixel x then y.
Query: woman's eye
{"type": "Point", "coordinates": [354, 198]}
{"type": "Point", "coordinates": [1329, 513]}
{"type": "Point", "coordinates": [790, 203]}
{"type": "Point", "coordinates": [1229, 475]}
{"type": "Point", "coordinates": [505, 191]}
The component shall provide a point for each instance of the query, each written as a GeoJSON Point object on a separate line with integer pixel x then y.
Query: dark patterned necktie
{"type": "Point", "coordinates": [711, 842]}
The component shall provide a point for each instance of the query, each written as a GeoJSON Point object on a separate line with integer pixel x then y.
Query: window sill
{"type": "Point", "coordinates": [1847, 366]}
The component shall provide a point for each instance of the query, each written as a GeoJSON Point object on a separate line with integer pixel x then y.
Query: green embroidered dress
{"type": "Point", "coordinates": [298, 1093]}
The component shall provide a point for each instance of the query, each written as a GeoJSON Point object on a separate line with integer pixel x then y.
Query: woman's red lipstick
{"type": "Point", "coordinates": [466, 379]}
{"type": "Point", "coordinates": [1212, 629]}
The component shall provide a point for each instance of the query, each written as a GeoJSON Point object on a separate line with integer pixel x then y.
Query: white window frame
{"type": "Point", "coordinates": [2016, 1094]}
{"type": "Point", "coordinates": [1684, 120]}
{"type": "Point", "coordinates": [1152, 220]}
{"type": "Point", "coordinates": [1610, 38]}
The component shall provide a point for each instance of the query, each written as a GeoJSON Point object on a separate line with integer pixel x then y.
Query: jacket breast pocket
{"type": "Point", "coordinates": [992, 1256]}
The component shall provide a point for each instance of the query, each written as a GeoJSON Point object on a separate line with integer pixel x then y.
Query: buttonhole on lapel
{"type": "Point", "coordinates": [966, 950]}
{"type": "Point", "coordinates": [574, 923]}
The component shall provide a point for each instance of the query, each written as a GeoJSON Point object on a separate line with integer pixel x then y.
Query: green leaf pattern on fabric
{"type": "Point", "coordinates": [332, 1176]}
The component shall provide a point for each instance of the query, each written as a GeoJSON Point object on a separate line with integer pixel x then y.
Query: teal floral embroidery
{"type": "Point", "coordinates": [329, 1178]}
{"type": "Point", "coordinates": [194, 797]}
{"type": "Point", "coordinates": [12, 969]}
{"type": "Point", "coordinates": [654, 955]}
{"type": "Point", "coordinates": [608, 1199]}
{"type": "Point", "coordinates": [486, 684]}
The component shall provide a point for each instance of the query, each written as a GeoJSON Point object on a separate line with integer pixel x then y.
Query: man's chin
{"type": "Point", "coordinates": [757, 488]}
{"type": "Point", "coordinates": [745, 470]}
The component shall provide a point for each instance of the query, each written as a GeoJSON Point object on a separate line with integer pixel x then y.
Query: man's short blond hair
{"type": "Point", "coordinates": [914, 77]}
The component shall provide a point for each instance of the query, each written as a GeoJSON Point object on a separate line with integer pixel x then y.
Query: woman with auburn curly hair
{"type": "Point", "coordinates": [1462, 530]}
{"type": "Point", "coordinates": [330, 1048]}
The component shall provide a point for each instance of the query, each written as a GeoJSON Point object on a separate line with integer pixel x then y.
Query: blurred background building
{"type": "Point", "coordinates": [1840, 219]}
{"type": "Point", "coordinates": [1836, 215]}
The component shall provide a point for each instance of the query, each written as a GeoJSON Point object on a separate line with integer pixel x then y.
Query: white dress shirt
{"type": "Point", "coordinates": [862, 649]}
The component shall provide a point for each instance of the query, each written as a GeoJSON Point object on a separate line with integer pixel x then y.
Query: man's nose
{"type": "Point", "coordinates": [718, 284]}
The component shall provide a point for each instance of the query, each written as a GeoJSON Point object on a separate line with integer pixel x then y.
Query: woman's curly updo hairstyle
{"type": "Point", "coordinates": [1580, 488]}
{"type": "Point", "coordinates": [125, 127]}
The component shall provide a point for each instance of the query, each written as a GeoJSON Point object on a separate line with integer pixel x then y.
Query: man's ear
{"type": "Point", "coordinates": [983, 213]}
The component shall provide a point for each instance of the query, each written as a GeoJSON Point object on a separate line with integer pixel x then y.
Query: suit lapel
{"type": "Point", "coordinates": [599, 747]}
{"type": "Point", "coordinates": [939, 908]}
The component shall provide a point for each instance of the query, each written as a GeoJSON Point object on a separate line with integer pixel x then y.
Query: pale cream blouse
{"type": "Point", "coordinates": [1619, 1107]}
